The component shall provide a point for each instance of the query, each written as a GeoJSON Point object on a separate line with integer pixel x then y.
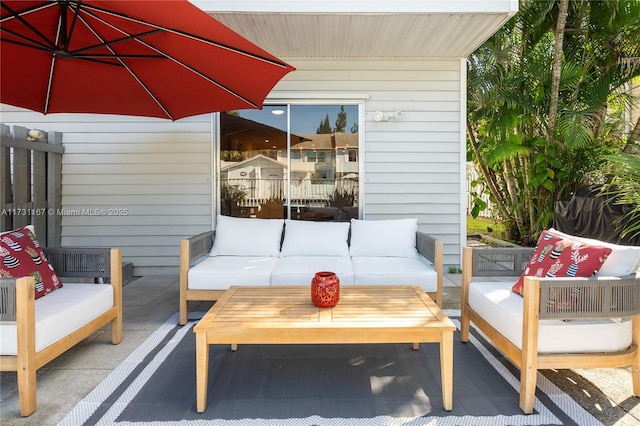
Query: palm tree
{"type": "Point", "coordinates": [544, 103]}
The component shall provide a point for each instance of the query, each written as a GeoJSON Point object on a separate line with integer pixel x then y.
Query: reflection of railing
{"type": "Point", "coordinates": [304, 192]}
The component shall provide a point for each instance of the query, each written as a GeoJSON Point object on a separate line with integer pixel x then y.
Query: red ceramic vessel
{"type": "Point", "coordinates": [325, 289]}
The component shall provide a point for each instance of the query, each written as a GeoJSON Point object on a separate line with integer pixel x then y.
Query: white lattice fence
{"type": "Point", "coordinates": [472, 174]}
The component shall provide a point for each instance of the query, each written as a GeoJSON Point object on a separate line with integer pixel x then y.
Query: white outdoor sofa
{"type": "Point", "coordinates": [248, 251]}
{"type": "Point", "coordinates": [599, 328]}
{"type": "Point", "coordinates": [34, 332]}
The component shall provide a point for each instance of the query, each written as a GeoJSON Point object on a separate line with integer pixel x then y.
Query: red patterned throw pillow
{"type": "Point", "coordinates": [555, 256]}
{"type": "Point", "coordinates": [22, 256]}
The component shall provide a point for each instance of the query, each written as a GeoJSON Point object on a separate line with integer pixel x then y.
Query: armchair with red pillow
{"type": "Point", "coordinates": [39, 318]}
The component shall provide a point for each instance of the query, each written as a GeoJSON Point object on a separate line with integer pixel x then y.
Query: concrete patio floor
{"type": "Point", "coordinates": [149, 301]}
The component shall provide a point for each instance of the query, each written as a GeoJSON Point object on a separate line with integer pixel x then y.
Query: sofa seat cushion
{"type": "Point", "coordinates": [60, 313]}
{"type": "Point", "coordinates": [300, 270]}
{"type": "Point", "coordinates": [221, 272]}
{"type": "Point", "coordinates": [502, 308]}
{"type": "Point", "coordinates": [395, 270]}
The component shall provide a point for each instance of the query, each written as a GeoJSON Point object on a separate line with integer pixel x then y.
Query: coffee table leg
{"type": "Point", "coordinates": [202, 371]}
{"type": "Point", "coordinates": [446, 366]}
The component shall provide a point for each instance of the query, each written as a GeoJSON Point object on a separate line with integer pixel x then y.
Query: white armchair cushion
{"type": "Point", "coordinates": [502, 308]}
{"type": "Point", "coordinates": [381, 238]}
{"type": "Point", "coordinates": [623, 260]}
{"type": "Point", "coordinates": [247, 237]}
{"type": "Point", "coordinates": [60, 313]}
{"type": "Point", "coordinates": [394, 271]}
{"type": "Point", "coordinates": [300, 270]}
{"type": "Point", "coordinates": [307, 238]}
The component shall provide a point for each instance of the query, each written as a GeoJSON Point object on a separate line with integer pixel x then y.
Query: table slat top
{"type": "Point", "coordinates": [290, 307]}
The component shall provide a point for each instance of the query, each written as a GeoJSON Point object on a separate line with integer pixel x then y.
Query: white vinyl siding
{"type": "Point", "coordinates": [158, 171]}
{"type": "Point", "coordinates": [412, 165]}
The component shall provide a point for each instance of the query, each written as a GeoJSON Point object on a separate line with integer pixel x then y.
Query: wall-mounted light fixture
{"type": "Point", "coordinates": [385, 116]}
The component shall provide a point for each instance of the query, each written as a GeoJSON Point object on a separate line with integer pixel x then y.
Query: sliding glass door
{"type": "Point", "coordinates": [290, 161]}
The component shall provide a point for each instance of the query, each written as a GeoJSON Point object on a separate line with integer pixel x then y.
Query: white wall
{"type": "Point", "coordinates": [157, 170]}
{"type": "Point", "coordinates": [161, 171]}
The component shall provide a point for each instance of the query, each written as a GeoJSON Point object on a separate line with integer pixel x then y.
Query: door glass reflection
{"type": "Point", "coordinates": [307, 172]}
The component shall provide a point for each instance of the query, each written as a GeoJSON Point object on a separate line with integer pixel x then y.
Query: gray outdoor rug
{"type": "Point", "coordinates": [307, 385]}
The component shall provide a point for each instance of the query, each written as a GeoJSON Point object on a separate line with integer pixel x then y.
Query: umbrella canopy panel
{"type": "Point", "coordinates": [163, 59]}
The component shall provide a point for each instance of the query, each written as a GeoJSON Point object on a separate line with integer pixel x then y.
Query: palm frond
{"type": "Point", "coordinates": [624, 189]}
{"type": "Point", "coordinates": [505, 151]}
{"type": "Point", "coordinates": [574, 128]}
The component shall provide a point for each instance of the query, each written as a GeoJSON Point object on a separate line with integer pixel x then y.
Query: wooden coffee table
{"type": "Point", "coordinates": [286, 315]}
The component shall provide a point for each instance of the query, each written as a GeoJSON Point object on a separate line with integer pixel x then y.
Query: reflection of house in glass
{"type": "Point", "coordinates": [260, 177]}
{"type": "Point", "coordinates": [324, 174]}
{"type": "Point", "coordinates": [326, 156]}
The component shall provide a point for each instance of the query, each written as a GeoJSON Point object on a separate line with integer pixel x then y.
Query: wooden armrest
{"type": "Point", "coordinates": [191, 250]}
{"type": "Point", "coordinates": [588, 298]}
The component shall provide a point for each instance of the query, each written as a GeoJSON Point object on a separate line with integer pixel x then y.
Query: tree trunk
{"type": "Point", "coordinates": [512, 187]}
{"type": "Point", "coordinates": [633, 145]}
{"type": "Point", "coordinates": [488, 176]}
{"type": "Point", "coordinates": [556, 69]}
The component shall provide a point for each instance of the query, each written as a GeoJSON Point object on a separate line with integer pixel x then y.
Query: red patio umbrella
{"type": "Point", "coordinates": [164, 59]}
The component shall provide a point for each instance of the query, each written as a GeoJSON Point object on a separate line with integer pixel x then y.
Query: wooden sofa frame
{"type": "Point", "coordinates": [95, 263]}
{"type": "Point", "coordinates": [195, 248]}
{"type": "Point", "coordinates": [620, 299]}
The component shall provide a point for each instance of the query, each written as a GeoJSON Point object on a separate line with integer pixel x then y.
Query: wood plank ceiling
{"type": "Point", "coordinates": [340, 35]}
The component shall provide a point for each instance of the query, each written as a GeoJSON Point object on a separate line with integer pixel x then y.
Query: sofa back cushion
{"type": "Point", "coordinates": [247, 237]}
{"type": "Point", "coordinates": [556, 256]}
{"type": "Point", "coordinates": [623, 260]}
{"type": "Point", "coordinates": [21, 256]}
{"type": "Point", "coordinates": [307, 238]}
{"type": "Point", "coordinates": [382, 238]}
